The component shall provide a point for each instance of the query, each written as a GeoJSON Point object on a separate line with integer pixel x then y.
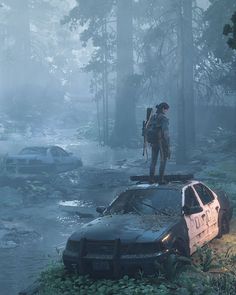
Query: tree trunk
{"type": "Point", "coordinates": [105, 85]}
{"type": "Point", "coordinates": [125, 122]}
{"type": "Point", "coordinates": [23, 38]}
{"type": "Point", "coordinates": [186, 116]}
{"type": "Point", "coordinates": [188, 55]}
{"type": "Point", "coordinates": [19, 29]}
{"type": "Point", "coordinates": [181, 156]}
{"type": "Point", "coordinates": [15, 70]}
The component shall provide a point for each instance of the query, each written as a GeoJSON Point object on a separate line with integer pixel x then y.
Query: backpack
{"type": "Point", "coordinates": [153, 130]}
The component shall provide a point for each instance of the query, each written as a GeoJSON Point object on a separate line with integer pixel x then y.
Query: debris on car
{"type": "Point", "coordinates": [146, 223]}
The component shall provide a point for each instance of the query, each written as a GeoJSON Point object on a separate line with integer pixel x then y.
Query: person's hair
{"type": "Point", "coordinates": [162, 105]}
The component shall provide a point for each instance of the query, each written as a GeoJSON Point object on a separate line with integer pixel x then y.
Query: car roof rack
{"type": "Point", "coordinates": [167, 178]}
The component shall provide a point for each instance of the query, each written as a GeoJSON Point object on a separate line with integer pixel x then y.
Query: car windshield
{"type": "Point", "coordinates": [148, 202]}
{"type": "Point", "coordinates": [34, 150]}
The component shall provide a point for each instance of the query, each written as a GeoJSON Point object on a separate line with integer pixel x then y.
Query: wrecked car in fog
{"type": "Point", "coordinates": [38, 159]}
{"type": "Point", "coordinates": [145, 224]}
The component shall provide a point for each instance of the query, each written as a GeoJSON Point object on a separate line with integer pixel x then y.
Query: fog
{"type": "Point", "coordinates": [80, 74]}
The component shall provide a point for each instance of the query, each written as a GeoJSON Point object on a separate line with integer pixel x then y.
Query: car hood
{"type": "Point", "coordinates": [127, 228]}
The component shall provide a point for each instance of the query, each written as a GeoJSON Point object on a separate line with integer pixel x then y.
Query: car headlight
{"type": "Point", "coordinates": [165, 238]}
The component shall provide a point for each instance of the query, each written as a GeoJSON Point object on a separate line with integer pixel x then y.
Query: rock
{"type": "Point", "coordinates": [3, 232]}
{"type": "Point", "coordinates": [8, 245]}
{"type": "Point", "coordinates": [10, 197]}
{"type": "Point", "coordinates": [20, 236]}
{"type": "Point", "coordinates": [81, 208]}
{"type": "Point", "coordinates": [55, 195]}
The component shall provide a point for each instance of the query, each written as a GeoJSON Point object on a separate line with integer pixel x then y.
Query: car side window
{"type": "Point", "coordinates": [62, 152]}
{"type": "Point", "coordinates": [55, 152]}
{"type": "Point", "coordinates": [204, 193]}
{"type": "Point", "coordinates": [190, 200]}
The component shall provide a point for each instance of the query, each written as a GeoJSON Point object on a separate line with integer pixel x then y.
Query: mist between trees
{"type": "Point", "coordinates": [122, 56]}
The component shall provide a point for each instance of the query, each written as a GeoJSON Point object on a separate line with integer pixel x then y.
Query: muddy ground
{"type": "Point", "coordinates": [37, 217]}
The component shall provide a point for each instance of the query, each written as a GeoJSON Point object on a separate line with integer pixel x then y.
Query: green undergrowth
{"type": "Point", "coordinates": [222, 177]}
{"type": "Point", "coordinates": [207, 273]}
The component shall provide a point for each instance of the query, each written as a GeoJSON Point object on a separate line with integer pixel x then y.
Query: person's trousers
{"type": "Point", "coordinates": [156, 149]}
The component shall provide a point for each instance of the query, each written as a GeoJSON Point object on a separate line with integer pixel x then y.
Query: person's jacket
{"type": "Point", "coordinates": [161, 122]}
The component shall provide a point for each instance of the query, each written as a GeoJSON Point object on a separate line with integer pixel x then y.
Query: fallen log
{"type": "Point", "coordinates": [167, 178]}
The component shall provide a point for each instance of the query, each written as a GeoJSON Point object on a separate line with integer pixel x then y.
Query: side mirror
{"type": "Point", "coordinates": [192, 210]}
{"type": "Point", "coordinates": [100, 209]}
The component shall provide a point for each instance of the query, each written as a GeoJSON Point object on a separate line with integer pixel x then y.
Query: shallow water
{"type": "Point", "coordinates": [20, 266]}
{"type": "Point", "coordinates": [22, 262]}
{"type": "Point", "coordinates": [38, 228]}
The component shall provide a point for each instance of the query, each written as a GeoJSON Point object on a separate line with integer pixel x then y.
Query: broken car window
{"type": "Point", "coordinates": [190, 198]}
{"type": "Point", "coordinates": [204, 193]}
{"type": "Point", "coordinates": [34, 151]}
{"type": "Point", "coordinates": [148, 202]}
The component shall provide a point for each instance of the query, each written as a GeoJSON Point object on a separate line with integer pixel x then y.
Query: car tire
{"type": "Point", "coordinates": [180, 248]}
{"type": "Point", "coordinates": [178, 257]}
{"type": "Point", "coordinates": [223, 225]}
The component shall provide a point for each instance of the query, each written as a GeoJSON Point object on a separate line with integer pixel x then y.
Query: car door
{"type": "Point", "coordinates": [212, 208]}
{"type": "Point", "coordinates": [196, 222]}
{"type": "Point", "coordinates": [61, 159]}
{"type": "Point", "coordinates": [56, 158]}
{"type": "Point", "coordinates": [66, 159]}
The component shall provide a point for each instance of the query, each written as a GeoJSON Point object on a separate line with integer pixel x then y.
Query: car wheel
{"type": "Point", "coordinates": [180, 248]}
{"type": "Point", "coordinates": [223, 225]}
{"type": "Point", "coordinates": [171, 266]}
{"type": "Point", "coordinates": [177, 258]}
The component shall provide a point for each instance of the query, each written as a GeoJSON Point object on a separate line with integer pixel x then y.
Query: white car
{"type": "Point", "coordinates": [41, 159]}
{"type": "Point", "coordinates": [146, 223]}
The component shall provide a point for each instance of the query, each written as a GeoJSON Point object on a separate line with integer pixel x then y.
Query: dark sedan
{"type": "Point", "coordinates": [146, 223]}
{"type": "Point", "coordinates": [38, 160]}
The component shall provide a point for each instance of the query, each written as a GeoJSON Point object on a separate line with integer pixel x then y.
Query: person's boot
{"type": "Point", "coordinates": [152, 174]}
{"type": "Point", "coordinates": [162, 181]}
{"type": "Point", "coordinates": [151, 179]}
{"type": "Point", "coordinates": [161, 173]}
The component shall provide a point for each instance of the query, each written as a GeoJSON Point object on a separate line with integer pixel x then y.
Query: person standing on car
{"type": "Point", "coordinates": [157, 133]}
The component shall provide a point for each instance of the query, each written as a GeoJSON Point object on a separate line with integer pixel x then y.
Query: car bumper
{"type": "Point", "coordinates": [110, 266]}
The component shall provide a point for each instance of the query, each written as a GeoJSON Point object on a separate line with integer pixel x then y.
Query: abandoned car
{"type": "Point", "coordinates": [145, 224]}
{"type": "Point", "coordinates": [36, 160]}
